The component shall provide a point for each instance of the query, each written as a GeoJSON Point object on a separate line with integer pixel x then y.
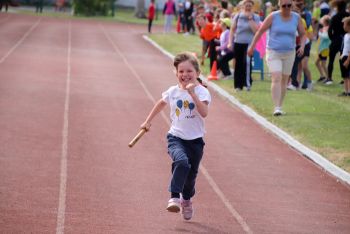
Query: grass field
{"type": "Point", "coordinates": [318, 119]}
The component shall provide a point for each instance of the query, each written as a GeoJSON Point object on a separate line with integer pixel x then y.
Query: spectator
{"type": "Point", "coordinates": [336, 33]}
{"type": "Point", "coordinates": [189, 16]}
{"type": "Point", "coordinates": [244, 26]}
{"type": "Point", "coordinates": [225, 54]}
{"type": "Point", "coordinates": [4, 3]}
{"type": "Point", "coordinates": [151, 13]}
{"type": "Point", "coordinates": [282, 26]}
{"type": "Point", "coordinates": [345, 58]}
{"type": "Point", "coordinates": [169, 11]}
{"type": "Point", "coordinates": [323, 48]}
{"type": "Point", "coordinates": [324, 7]}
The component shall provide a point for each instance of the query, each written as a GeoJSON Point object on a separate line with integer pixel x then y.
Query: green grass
{"type": "Point", "coordinates": [318, 119]}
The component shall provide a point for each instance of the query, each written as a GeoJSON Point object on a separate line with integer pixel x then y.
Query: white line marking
{"type": "Point", "coordinates": [20, 41]}
{"type": "Point", "coordinates": [63, 175]}
{"type": "Point", "coordinates": [204, 171]}
{"type": "Point", "coordinates": [288, 139]}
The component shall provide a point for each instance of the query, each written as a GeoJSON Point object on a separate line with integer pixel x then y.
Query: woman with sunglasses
{"type": "Point", "coordinates": [282, 25]}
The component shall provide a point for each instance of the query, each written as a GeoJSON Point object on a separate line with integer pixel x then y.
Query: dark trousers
{"type": "Point", "coordinates": [212, 52]}
{"type": "Point", "coordinates": [186, 156]}
{"type": "Point", "coordinates": [334, 48]}
{"type": "Point", "coordinates": [240, 74]}
{"type": "Point", "coordinates": [150, 25]}
{"type": "Point", "coordinates": [223, 63]}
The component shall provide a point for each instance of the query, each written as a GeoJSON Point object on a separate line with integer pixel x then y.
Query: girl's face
{"type": "Point", "coordinates": [186, 74]}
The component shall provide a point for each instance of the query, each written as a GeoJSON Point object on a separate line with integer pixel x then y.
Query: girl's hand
{"type": "Point", "coordinates": [146, 126]}
{"type": "Point", "coordinates": [346, 63]}
{"type": "Point", "coordinates": [190, 88]}
{"type": "Point", "coordinates": [300, 51]}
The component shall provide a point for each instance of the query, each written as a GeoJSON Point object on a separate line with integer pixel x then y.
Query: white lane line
{"type": "Point", "coordinates": [204, 171]}
{"type": "Point", "coordinates": [63, 175]}
{"type": "Point", "coordinates": [20, 41]}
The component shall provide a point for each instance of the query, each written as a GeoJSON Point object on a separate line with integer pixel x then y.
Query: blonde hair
{"type": "Point", "coordinates": [186, 56]}
{"type": "Point", "coordinates": [346, 21]}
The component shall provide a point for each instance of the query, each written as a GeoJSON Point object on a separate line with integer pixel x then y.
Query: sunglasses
{"type": "Point", "coordinates": [286, 5]}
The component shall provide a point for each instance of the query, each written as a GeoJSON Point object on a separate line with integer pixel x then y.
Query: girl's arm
{"type": "Point", "coordinates": [347, 61]}
{"type": "Point", "coordinates": [301, 31]}
{"type": "Point", "coordinates": [202, 106]}
{"type": "Point", "coordinates": [265, 26]}
{"type": "Point", "coordinates": [158, 107]}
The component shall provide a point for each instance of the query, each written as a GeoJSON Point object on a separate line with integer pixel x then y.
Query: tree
{"type": "Point", "coordinates": [140, 11]}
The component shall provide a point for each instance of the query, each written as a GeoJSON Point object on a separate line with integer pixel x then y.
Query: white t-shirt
{"type": "Point", "coordinates": [186, 122]}
{"type": "Point", "coordinates": [346, 46]}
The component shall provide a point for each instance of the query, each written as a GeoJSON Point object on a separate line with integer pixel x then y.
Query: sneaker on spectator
{"type": "Point", "coordinates": [291, 87]}
{"type": "Point", "coordinates": [187, 209]}
{"type": "Point", "coordinates": [328, 82]}
{"type": "Point", "coordinates": [278, 111]}
{"type": "Point", "coordinates": [309, 86]}
{"type": "Point", "coordinates": [174, 205]}
{"type": "Point", "coordinates": [322, 78]}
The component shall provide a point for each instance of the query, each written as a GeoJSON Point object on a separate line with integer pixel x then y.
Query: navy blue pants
{"type": "Point", "coordinates": [186, 156]}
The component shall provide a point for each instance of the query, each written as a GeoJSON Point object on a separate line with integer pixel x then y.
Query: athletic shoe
{"type": "Point", "coordinates": [321, 79]}
{"type": "Point", "coordinates": [291, 87]}
{"type": "Point", "coordinates": [278, 112]}
{"type": "Point", "coordinates": [174, 205]}
{"type": "Point", "coordinates": [309, 86]}
{"type": "Point", "coordinates": [328, 82]}
{"type": "Point", "coordinates": [187, 209]}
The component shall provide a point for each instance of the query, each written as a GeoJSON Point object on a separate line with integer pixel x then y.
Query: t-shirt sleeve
{"type": "Point", "coordinates": [203, 94]}
{"type": "Point", "coordinates": [166, 95]}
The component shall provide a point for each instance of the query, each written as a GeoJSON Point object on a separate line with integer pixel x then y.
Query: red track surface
{"type": "Point", "coordinates": [72, 95]}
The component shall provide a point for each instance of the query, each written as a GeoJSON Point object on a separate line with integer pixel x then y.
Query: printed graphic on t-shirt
{"type": "Point", "coordinates": [184, 107]}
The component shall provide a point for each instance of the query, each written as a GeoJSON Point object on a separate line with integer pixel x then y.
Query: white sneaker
{"type": "Point", "coordinates": [187, 209]}
{"type": "Point", "coordinates": [278, 111]}
{"type": "Point", "coordinates": [309, 87]}
{"type": "Point", "coordinates": [174, 205]}
{"type": "Point", "coordinates": [291, 87]}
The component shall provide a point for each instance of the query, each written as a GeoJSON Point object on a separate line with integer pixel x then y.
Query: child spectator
{"type": "Point", "coordinates": [323, 48]}
{"type": "Point", "coordinates": [345, 57]}
{"type": "Point", "coordinates": [208, 36]}
{"type": "Point", "coordinates": [188, 101]}
{"type": "Point", "coordinates": [151, 12]}
{"type": "Point", "coordinates": [224, 53]}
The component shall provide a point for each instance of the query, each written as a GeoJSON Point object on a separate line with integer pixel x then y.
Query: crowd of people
{"type": "Point", "coordinates": [286, 32]}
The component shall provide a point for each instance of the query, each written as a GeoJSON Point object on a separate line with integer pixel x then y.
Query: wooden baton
{"type": "Point", "coordinates": [137, 137]}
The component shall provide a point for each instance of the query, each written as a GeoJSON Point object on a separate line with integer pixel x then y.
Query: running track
{"type": "Point", "coordinates": [72, 95]}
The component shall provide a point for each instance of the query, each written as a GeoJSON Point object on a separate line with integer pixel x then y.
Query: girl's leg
{"type": "Point", "coordinates": [324, 67]}
{"type": "Point", "coordinates": [347, 85]}
{"type": "Point", "coordinates": [180, 165]}
{"type": "Point", "coordinates": [319, 66]}
{"type": "Point", "coordinates": [195, 153]}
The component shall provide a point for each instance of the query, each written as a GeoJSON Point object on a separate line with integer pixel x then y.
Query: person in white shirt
{"type": "Point", "coordinates": [345, 57]}
{"type": "Point", "coordinates": [189, 102]}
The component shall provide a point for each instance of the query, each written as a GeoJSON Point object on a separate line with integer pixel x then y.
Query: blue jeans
{"type": "Point", "coordinates": [186, 156]}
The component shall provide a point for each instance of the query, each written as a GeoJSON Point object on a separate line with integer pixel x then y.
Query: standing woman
{"type": "Point", "coordinates": [243, 28]}
{"type": "Point", "coordinates": [282, 26]}
{"type": "Point", "coordinates": [169, 11]}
